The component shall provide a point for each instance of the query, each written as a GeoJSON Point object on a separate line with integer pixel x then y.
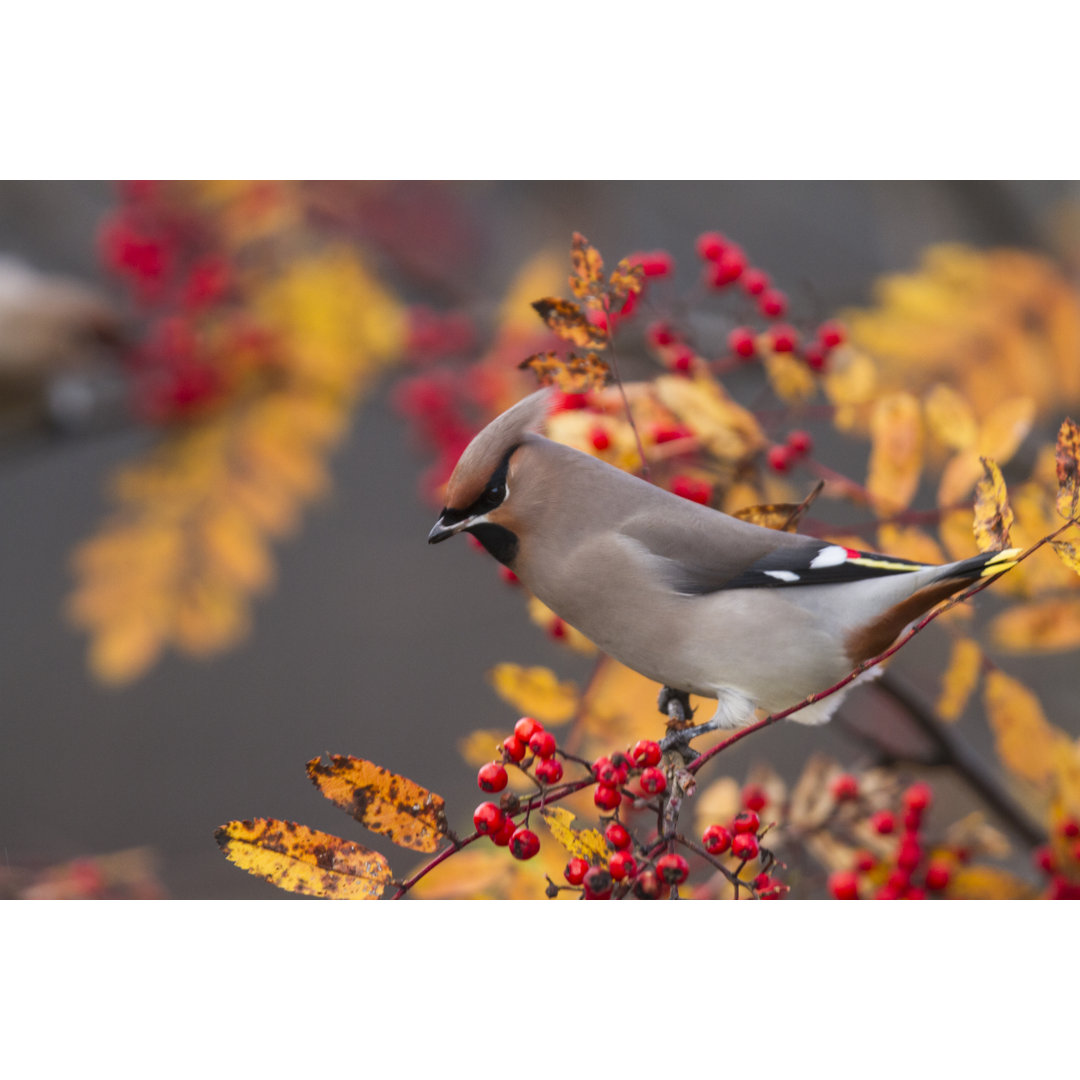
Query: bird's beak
{"type": "Point", "coordinates": [443, 529]}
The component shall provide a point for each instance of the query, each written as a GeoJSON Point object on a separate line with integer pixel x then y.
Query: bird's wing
{"type": "Point", "coordinates": [703, 551]}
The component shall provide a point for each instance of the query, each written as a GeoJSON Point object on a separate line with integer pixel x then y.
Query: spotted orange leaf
{"type": "Point", "coordinates": [302, 860]}
{"type": "Point", "coordinates": [574, 375]}
{"type": "Point", "coordinates": [626, 278]}
{"type": "Point", "coordinates": [569, 322]}
{"type": "Point", "coordinates": [587, 280]}
{"type": "Point", "coordinates": [1068, 469]}
{"type": "Point", "coordinates": [993, 515]}
{"type": "Point", "coordinates": [386, 803]}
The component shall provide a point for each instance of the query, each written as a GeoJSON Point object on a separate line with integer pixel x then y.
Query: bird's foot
{"type": "Point", "coordinates": [675, 705]}
{"type": "Point", "coordinates": [679, 739]}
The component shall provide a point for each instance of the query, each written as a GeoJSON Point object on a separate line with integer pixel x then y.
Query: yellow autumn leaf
{"type": "Point", "coordinates": [1026, 741]}
{"type": "Point", "coordinates": [993, 515]}
{"type": "Point", "coordinates": [123, 649]}
{"type": "Point", "coordinates": [587, 278]}
{"type": "Point", "coordinates": [587, 844]}
{"type": "Point", "coordinates": [541, 275]}
{"type": "Point", "coordinates": [896, 451]}
{"type": "Point", "coordinates": [790, 378]}
{"type": "Point", "coordinates": [949, 418]}
{"type": "Point", "coordinates": [957, 539]}
{"type": "Point", "coordinates": [850, 384]}
{"type": "Point", "coordinates": [1005, 428]}
{"type": "Point", "coordinates": [302, 860]}
{"type": "Point", "coordinates": [1068, 551]}
{"type": "Point", "coordinates": [1067, 462]}
{"type": "Point", "coordinates": [909, 542]}
{"type": "Point", "coordinates": [986, 883]}
{"type": "Point", "coordinates": [960, 679]}
{"type": "Point", "coordinates": [535, 691]}
{"type": "Point", "coordinates": [1041, 626]}
{"type": "Point", "coordinates": [727, 430]}
{"type": "Point", "coordinates": [960, 475]}
{"type": "Point", "coordinates": [719, 802]}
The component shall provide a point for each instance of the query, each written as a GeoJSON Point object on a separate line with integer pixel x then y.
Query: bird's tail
{"type": "Point", "coordinates": [985, 565]}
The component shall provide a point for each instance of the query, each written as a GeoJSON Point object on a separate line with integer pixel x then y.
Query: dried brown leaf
{"type": "Point", "coordinates": [993, 515]}
{"type": "Point", "coordinates": [1067, 458]}
{"type": "Point", "coordinates": [568, 321]}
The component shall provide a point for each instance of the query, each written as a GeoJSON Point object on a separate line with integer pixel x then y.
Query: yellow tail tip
{"type": "Point", "coordinates": [1001, 561]}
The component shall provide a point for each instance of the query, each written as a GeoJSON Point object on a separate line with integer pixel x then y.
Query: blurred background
{"type": "Point", "coordinates": [362, 639]}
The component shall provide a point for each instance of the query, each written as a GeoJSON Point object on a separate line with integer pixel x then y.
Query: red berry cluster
{"type": "Point", "coordinates": [783, 456]}
{"type": "Point", "coordinates": [687, 487]}
{"type": "Point", "coordinates": [909, 871]}
{"type": "Point", "coordinates": [741, 838]}
{"type": "Point", "coordinates": [1060, 860]}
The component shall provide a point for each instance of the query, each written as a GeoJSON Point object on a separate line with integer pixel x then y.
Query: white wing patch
{"type": "Point", "coordinates": [782, 575]}
{"type": "Point", "coordinates": [833, 555]}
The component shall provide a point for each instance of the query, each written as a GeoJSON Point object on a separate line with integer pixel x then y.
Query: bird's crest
{"type": "Point", "coordinates": [488, 449]}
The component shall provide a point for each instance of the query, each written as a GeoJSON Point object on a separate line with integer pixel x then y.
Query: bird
{"type": "Point", "coordinates": [692, 598]}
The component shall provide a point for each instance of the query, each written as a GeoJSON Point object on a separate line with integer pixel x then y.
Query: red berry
{"type": "Point", "coordinates": [557, 629]}
{"type": "Point", "coordinates": [647, 886]}
{"type": "Point", "coordinates": [755, 281]}
{"type": "Point", "coordinates": [662, 434]}
{"type": "Point", "coordinates": [672, 868]}
{"type": "Point", "coordinates": [653, 263]}
{"type": "Point", "coordinates": [604, 770]}
{"type": "Point", "coordinates": [799, 442]}
{"type": "Point", "coordinates": [562, 402]}
{"type": "Point", "coordinates": [883, 822]}
{"type": "Point", "coordinates": [912, 821]}
{"type": "Point", "coordinates": [779, 458]}
{"type": "Point", "coordinates": [645, 752]}
{"type": "Point", "coordinates": [831, 334]}
{"type": "Point", "coordinates": [745, 846]}
{"type": "Point", "coordinates": [754, 797]}
{"type": "Point", "coordinates": [599, 438]}
{"type": "Point", "coordinates": [524, 844]}
{"type": "Point", "coordinates": [899, 879]}
{"type": "Point", "coordinates": [617, 835]}
{"type": "Point", "coordinates": [621, 764]}
{"type": "Point", "coordinates": [575, 871]}
{"type": "Point", "coordinates": [728, 267]}
{"type": "Point", "coordinates": [844, 787]}
{"type": "Point", "coordinates": [1044, 859]}
{"type": "Point", "coordinates": [711, 245]}
{"type": "Point", "coordinates": [542, 744]}
{"type": "Point", "coordinates": [918, 797]}
{"type": "Point", "coordinates": [598, 884]}
{"type": "Point", "coordinates": [915, 893]}
{"type": "Point", "coordinates": [888, 892]}
{"type": "Point", "coordinates": [815, 357]}
{"type": "Point", "coordinates": [501, 838]}
{"type": "Point", "coordinates": [487, 818]}
{"type": "Point", "coordinates": [653, 781]}
{"type": "Point", "coordinates": [864, 862]}
{"type": "Point", "coordinates": [492, 777]}
{"type": "Point", "coordinates": [622, 865]}
{"type": "Point", "coordinates": [783, 338]}
{"type": "Point", "coordinates": [844, 885]}
{"type": "Point", "coordinates": [746, 822]}
{"type": "Point", "coordinates": [742, 343]}
{"type": "Point", "coordinates": [526, 728]}
{"type": "Point", "coordinates": [683, 361]}
{"type": "Point", "coordinates": [606, 797]}
{"type": "Point", "coordinates": [1069, 829]}
{"type": "Point", "coordinates": [716, 839]}
{"type": "Point", "coordinates": [686, 487]}
{"type": "Point", "coordinates": [772, 303]}
{"type": "Point", "coordinates": [937, 875]}
{"type": "Point", "coordinates": [509, 576]}
{"type": "Point", "coordinates": [909, 855]}
{"type": "Point", "coordinates": [661, 334]}
{"type": "Point", "coordinates": [514, 748]}
{"type": "Point", "coordinates": [1076, 851]}
{"type": "Point", "coordinates": [549, 771]}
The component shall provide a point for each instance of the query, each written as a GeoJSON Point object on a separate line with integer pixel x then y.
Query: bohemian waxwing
{"type": "Point", "coordinates": [698, 601]}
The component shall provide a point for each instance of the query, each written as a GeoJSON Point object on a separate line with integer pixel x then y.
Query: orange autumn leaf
{"type": "Point", "coordinates": [909, 542]}
{"type": "Point", "coordinates": [790, 378]}
{"type": "Point", "coordinates": [960, 679]}
{"type": "Point", "coordinates": [949, 417]}
{"type": "Point", "coordinates": [587, 844]}
{"type": "Point", "coordinates": [535, 691]}
{"type": "Point", "coordinates": [386, 803]}
{"type": "Point", "coordinates": [302, 860]}
{"type": "Point", "coordinates": [573, 375]}
{"type": "Point", "coordinates": [896, 451]}
{"type": "Point", "coordinates": [626, 279]}
{"type": "Point", "coordinates": [1026, 741]}
{"type": "Point", "coordinates": [1067, 460]}
{"type": "Point", "coordinates": [587, 279]}
{"type": "Point", "coordinates": [1042, 626]}
{"type": "Point", "coordinates": [993, 515]}
{"type": "Point", "coordinates": [570, 322]}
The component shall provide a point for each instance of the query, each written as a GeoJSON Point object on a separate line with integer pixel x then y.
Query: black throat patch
{"type": "Point", "coordinates": [499, 542]}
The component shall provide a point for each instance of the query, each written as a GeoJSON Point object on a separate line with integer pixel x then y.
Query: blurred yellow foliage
{"type": "Point", "coordinates": [535, 691]}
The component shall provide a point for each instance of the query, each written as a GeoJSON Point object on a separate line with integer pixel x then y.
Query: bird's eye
{"type": "Point", "coordinates": [493, 495]}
